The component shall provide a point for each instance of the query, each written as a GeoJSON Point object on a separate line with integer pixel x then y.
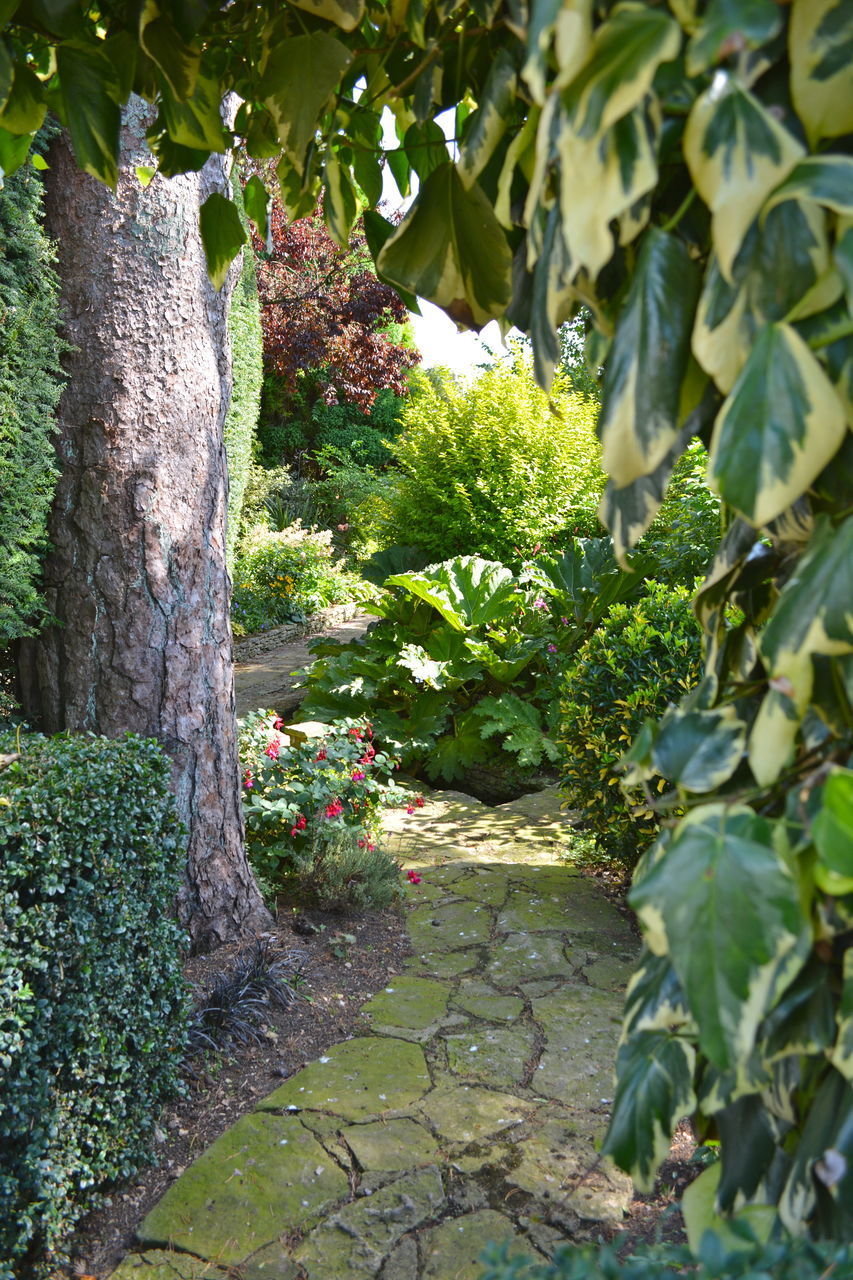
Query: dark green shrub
{"type": "Point", "coordinates": [30, 385]}
{"type": "Point", "coordinates": [491, 470]}
{"type": "Point", "coordinates": [92, 1029]}
{"type": "Point", "coordinates": [685, 534]}
{"type": "Point", "coordinates": [643, 656]}
{"type": "Point", "coordinates": [244, 331]}
{"type": "Point", "coordinates": [343, 873]}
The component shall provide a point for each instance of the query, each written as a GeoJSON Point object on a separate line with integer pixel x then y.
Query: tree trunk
{"type": "Point", "coordinates": [136, 575]}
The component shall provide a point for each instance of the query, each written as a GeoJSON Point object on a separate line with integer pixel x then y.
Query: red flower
{"type": "Point", "coordinates": [369, 753]}
{"type": "Point", "coordinates": [334, 809]}
{"type": "Point", "coordinates": [278, 723]}
{"type": "Point", "coordinates": [357, 775]}
{"type": "Point", "coordinates": [420, 802]}
{"type": "Point", "coordinates": [272, 749]}
{"type": "Point", "coordinates": [355, 733]}
{"type": "Point", "coordinates": [321, 754]}
{"type": "Point", "coordinates": [248, 780]}
{"type": "Point", "coordinates": [413, 877]}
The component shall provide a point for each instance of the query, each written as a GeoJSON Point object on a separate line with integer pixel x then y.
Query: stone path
{"type": "Point", "coordinates": [470, 1109]}
{"type": "Point", "coordinates": [264, 678]}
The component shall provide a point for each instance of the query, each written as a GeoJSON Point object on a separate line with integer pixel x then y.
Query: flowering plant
{"type": "Point", "coordinates": [292, 790]}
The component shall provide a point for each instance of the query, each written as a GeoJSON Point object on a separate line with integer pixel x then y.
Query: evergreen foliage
{"type": "Point", "coordinates": [93, 1025]}
{"type": "Point", "coordinates": [30, 386]}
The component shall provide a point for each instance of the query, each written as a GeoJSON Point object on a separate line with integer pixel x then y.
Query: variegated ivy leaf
{"type": "Point", "coordinates": [642, 382]}
{"type": "Point", "coordinates": [520, 154]}
{"type": "Point", "coordinates": [654, 1090]}
{"type": "Point", "coordinates": [739, 544]}
{"type": "Point", "coordinates": [699, 750]}
{"type": "Point", "coordinates": [724, 328]}
{"type": "Point", "coordinates": [842, 1054]}
{"type": "Point", "coordinates": [160, 40]}
{"type": "Point", "coordinates": [626, 52]}
{"type": "Point", "coordinates": [600, 179]}
{"type": "Point", "coordinates": [823, 1155]}
{"type": "Point", "coordinates": [451, 250]}
{"type": "Point", "coordinates": [820, 44]}
{"type": "Point", "coordinates": [730, 913]}
{"type": "Point", "coordinates": [814, 616]}
{"type": "Point", "coordinates": [346, 14]}
{"type": "Point", "coordinates": [197, 121]}
{"type": "Point", "coordinates": [826, 180]}
{"type": "Point", "coordinates": [803, 1019]}
{"type": "Point", "coordinates": [737, 153]}
{"type": "Point", "coordinates": [340, 206]}
{"type": "Point", "coordinates": [777, 430]}
{"type": "Point", "coordinates": [730, 26]}
{"type": "Point", "coordinates": [299, 81]}
{"type": "Point", "coordinates": [654, 1000]}
{"type": "Point", "coordinates": [566, 24]}
{"type": "Point", "coordinates": [554, 299]}
{"type": "Point", "coordinates": [489, 122]}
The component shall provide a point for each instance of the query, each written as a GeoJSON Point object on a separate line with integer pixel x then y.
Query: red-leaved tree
{"type": "Point", "coordinates": [324, 310]}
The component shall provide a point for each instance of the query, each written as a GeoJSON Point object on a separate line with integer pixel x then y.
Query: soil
{"type": "Point", "coordinates": [343, 961]}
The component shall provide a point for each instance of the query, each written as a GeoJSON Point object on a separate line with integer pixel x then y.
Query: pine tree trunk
{"type": "Point", "coordinates": [136, 575]}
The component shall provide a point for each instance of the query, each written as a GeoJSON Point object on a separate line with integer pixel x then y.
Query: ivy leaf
{"type": "Point", "coordinates": [426, 148]}
{"type": "Point", "coordinates": [376, 231]}
{"type": "Point", "coordinates": [300, 79]}
{"type": "Point", "coordinates": [339, 203]}
{"type": "Point", "coordinates": [346, 14]}
{"type": "Point", "coordinates": [726, 908]}
{"type": "Point", "coordinates": [699, 750]}
{"type": "Point", "coordinates": [826, 180]}
{"type": "Point", "coordinates": [724, 328]}
{"type": "Point", "coordinates": [257, 202]}
{"type": "Point", "coordinates": [737, 153]}
{"type": "Point", "coordinates": [730, 26]}
{"type": "Point", "coordinates": [654, 1090]}
{"type": "Point", "coordinates": [13, 152]}
{"type": "Point", "coordinates": [196, 122]}
{"type": "Point", "coordinates": [820, 44]}
{"type": "Point", "coordinates": [222, 235]}
{"type": "Point", "coordinates": [642, 382]}
{"type": "Point", "coordinates": [777, 430]}
{"type": "Point", "coordinates": [803, 1020]}
{"type": "Point", "coordinates": [161, 40]}
{"type": "Point", "coordinates": [748, 1145]}
{"type": "Point", "coordinates": [833, 827]}
{"type": "Point", "coordinates": [451, 250]}
{"type": "Point", "coordinates": [7, 74]}
{"type": "Point", "coordinates": [489, 122]}
{"type": "Point", "coordinates": [25, 107]}
{"type": "Point", "coordinates": [828, 1127]}
{"type": "Point", "coordinates": [654, 1000]}
{"type": "Point", "coordinates": [842, 1054]}
{"type": "Point", "coordinates": [89, 92]}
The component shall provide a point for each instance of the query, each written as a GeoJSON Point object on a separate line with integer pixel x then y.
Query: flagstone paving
{"type": "Point", "coordinates": [472, 1107]}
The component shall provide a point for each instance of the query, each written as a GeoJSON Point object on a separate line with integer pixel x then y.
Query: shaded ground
{"type": "Point", "coordinates": [464, 1103]}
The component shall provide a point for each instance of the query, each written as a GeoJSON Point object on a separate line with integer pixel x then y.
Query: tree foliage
{"type": "Point", "coordinates": [324, 310]}
{"type": "Point", "coordinates": [685, 171]}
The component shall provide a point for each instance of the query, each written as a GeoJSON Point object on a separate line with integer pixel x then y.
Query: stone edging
{"type": "Point", "coordinates": [249, 647]}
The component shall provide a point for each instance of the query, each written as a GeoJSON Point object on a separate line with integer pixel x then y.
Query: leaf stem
{"type": "Point", "coordinates": [842, 330]}
{"type": "Point", "coordinates": [680, 211]}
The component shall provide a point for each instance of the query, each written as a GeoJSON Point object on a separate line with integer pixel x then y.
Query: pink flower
{"type": "Point", "coordinates": [539, 604]}
{"type": "Point", "coordinates": [272, 749]}
{"type": "Point", "coordinates": [413, 877]}
{"type": "Point", "coordinates": [552, 648]}
{"type": "Point", "coordinates": [278, 723]}
{"type": "Point", "coordinates": [565, 621]}
{"type": "Point", "coordinates": [410, 808]}
{"type": "Point", "coordinates": [334, 809]}
{"type": "Point", "coordinates": [369, 753]}
{"type": "Point", "coordinates": [357, 775]}
{"type": "Point", "coordinates": [248, 780]}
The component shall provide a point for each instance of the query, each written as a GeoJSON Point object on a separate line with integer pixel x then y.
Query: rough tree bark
{"type": "Point", "coordinates": [136, 576]}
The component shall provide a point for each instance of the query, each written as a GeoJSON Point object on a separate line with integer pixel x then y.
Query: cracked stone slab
{"type": "Point", "coordinates": [163, 1264]}
{"type": "Point", "coordinates": [355, 1241]}
{"type": "Point", "coordinates": [525, 957]}
{"type": "Point", "coordinates": [402, 1263]}
{"type": "Point", "coordinates": [357, 1079]}
{"type": "Point", "coordinates": [448, 927]}
{"type": "Point", "coordinates": [467, 1113]}
{"type": "Point", "coordinates": [560, 1162]}
{"type": "Point", "coordinates": [265, 1175]}
{"type": "Point", "coordinates": [484, 884]}
{"type": "Point", "coordinates": [273, 1262]}
{"type": "Point", "coordinates": [527, 912]}
{"type": "Point", "coordinates": [483, 1001]}
{"type": "Point", "coordinates": [454, 1248]}
{"type": "Point", "coordinates": [411, 1002]}
{"type": "Point", "coordinates": [390, 1145]}
{"type": "Point", "coordinates": [582, 1026]}
{"type": "Point", "coordinates": [445, 964]}
{"type": "Point", "coordinates": [495, 1055]}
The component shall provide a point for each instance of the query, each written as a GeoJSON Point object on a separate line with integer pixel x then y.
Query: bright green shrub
{"type": "Point", "coordinates": [352, 501]}
{"type": "Point", "coordinates": [282, 576]}
{"type": "Point", "coordinates": [30, 385]}
{"type": "Point", "coordinates": [685, 534]}
{"type": "Point", "coordinates": [344, 429]}
{"type": "Point", "coordinates": [92, 1029]}
{"type": "Point", "coordinates": [244, 331]}
{"type": "Point", "coordinates": [490, 468]}
{"type": "Point", "coordinates": [643, 656]}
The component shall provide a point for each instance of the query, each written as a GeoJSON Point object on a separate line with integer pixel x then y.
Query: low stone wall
{"type": "Point", "coordinates": [251, 647]}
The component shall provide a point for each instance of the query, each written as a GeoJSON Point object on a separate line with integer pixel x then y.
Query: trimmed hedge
{"type": "Point", "coordinates": [93, 1006]}
{"type": "Point", "coordinates": [30, 385]}
{"type": "Point", "coordinates": [643, 656]}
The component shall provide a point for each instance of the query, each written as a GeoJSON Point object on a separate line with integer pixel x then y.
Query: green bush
{"type": "Point", "coordinates": [743, 1258]}
{"type": "Point", "coordinates": [92, 1029]}
{"type": "Point", "coordinates": [282, 576]}
{"type": "Point", "coordinates": [491, 470]}
{"type": "Point", "coordinates": [685, 534]}
{"type": "Point", "coordinates": [293, 428]}
{"type": "Point", "coordinates": [343, 873]}
{"type": "Point", "coordinates": [30, 385]}
{"type": "Point", "coordinates": [643, 656]}
{"type": "Point", "coordinates": [353, 501]}
{"type": "Point", "coordinates": [244, 331]}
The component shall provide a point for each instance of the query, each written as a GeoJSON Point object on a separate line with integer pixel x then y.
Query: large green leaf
{"type": "Point", "coordinates": [626, 52]}
{"type": "Point", "coordinates": [222, 235]}
{"type": "Point", "coordinates": [89, 91]}
{"type": "Point", "coordinates": [346, 14]}
{"type": "Point", "coordinates": [467, 591]}
{"type": "Point", "coordinates": [340, 204]}
{"type": "Point", "coordinates": [730, 26]}
{"type": "Point", "coordinates": [489, 122]}
{"type": "Point", "coordinates": [196, 122]}
{"type": "Point", "coordinates": [7, 74]}
{"type": "Point", "coordinates": [451, 250]}
{"type": "Point", "coordinates": [257, 202]}
{"type": "Point", "coordinates": [833, 833]}
{"type": "Point", "coordinates": [748, 1145]}
{"type": "Point", "coordinates": [654, 1090]}
{"type": "Point", "coordinates": [737, 152]}
{"type": "Point", "coordinates": [699, 750]}
{"type": "Point", "coordinates": [457, 750]}
{"type": "Point", "coordinates": [299, 82]}
{"type": "Point", "coordinates": [777, 430]}
{"type": "Point", "coordinates": [25, 107]}
{"type": "Point", "coordinates": [820, 42]}
{"type": "Point", "coordinates": [518, 724]}
{"type": "Point", "coordinates": [725, 907]}
{"type": "Point", "coordinates": [642, 382]}
{"type": "Point", "coordinates": [586, 580]}
{"type": "Point", "coordinates": [177, 60]}
{"type": "Point", "coordinates": [826, 180]}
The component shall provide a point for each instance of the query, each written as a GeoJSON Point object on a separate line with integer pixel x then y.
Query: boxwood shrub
{"type": "Point", "coordinates": [643, 656]}
{"type": "Point", "coordinates": [92, 1003]}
